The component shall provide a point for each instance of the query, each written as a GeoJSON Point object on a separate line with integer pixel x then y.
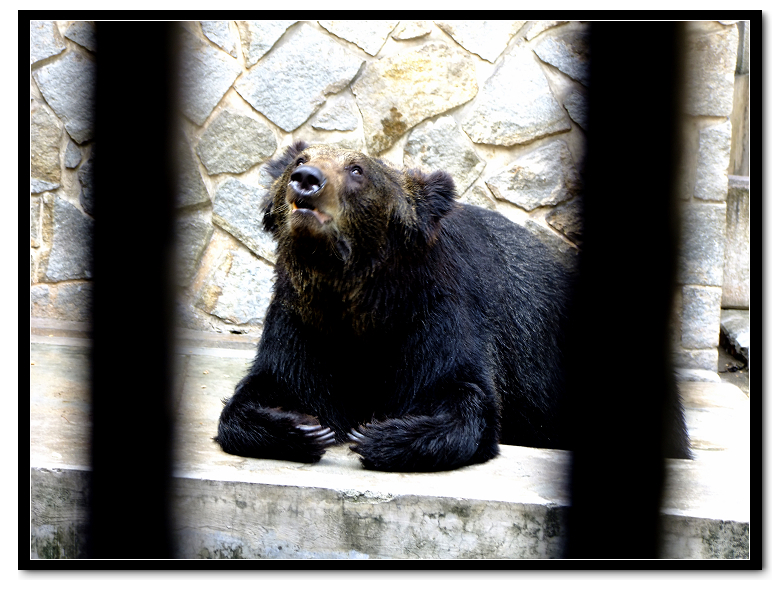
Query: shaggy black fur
{"type": "Point", "coordinates": [422, 330]}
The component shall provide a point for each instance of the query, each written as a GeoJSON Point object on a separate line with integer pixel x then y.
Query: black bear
{"type": "Point", "coordinates": [423, 330]}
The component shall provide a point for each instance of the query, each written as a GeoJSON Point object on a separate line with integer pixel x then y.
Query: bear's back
{"type": "Point", "coordinates": [523, 291]}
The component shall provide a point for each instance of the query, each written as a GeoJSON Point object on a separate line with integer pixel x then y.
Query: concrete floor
{"type": "Point", "coordinates": [412, 515]}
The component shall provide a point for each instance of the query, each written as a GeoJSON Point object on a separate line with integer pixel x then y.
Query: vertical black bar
{"type": "Point", "coordinates": [131, 376]}
{"type": "Point", "coordinates": [622, 384]}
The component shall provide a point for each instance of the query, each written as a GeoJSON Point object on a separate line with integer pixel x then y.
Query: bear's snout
{"type": "Point", "coordinates": [307, 180]}
{"type": "Point", "coordinates": [307, 195]}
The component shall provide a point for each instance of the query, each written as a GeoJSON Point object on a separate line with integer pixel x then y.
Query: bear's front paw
{"type": "Point", "coordinates": [272, 433]}
{"type": "Point", "coordinates": [376, 449]}
{"type": "Point", "coordinates": [308, 441]}
{"type": "Point", "coordinates": [418, 443]}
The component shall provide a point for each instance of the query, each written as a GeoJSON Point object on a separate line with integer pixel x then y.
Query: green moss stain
{"type": "Point", "coordinates": [223, 552]}
{"type": "Point", "coordinates": [61, 543]}
{"type": "Point", "coordinates": [727, 540]}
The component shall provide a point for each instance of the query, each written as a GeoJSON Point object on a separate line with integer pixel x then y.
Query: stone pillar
{"type": "Point", "coordinates": [736, 271]}
{"type": "Point", "coordinates": [712, 57]}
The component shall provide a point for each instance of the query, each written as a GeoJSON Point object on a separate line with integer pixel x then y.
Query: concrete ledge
{"type": "Point", "coordinates": [335, 509]}
{"type": "Point", "coordinates": [735, 329]}
{"type": "Point", "coordinates": [231, 507]}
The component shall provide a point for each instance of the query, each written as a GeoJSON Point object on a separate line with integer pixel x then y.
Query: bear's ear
{"type": "Point", "coordinates": [275, 169]}
{"type": "Point", "coordinates": [434, 197]}
{"type": "Point", "coordinates": [269, 219]}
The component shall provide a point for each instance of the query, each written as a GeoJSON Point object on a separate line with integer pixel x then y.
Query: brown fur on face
{"type": "Point", "coordinates": [346, 222]}
{"type": "Point", "coordinates": [348, 215]}
{"type": "Point", "coordinates": [310, 214]}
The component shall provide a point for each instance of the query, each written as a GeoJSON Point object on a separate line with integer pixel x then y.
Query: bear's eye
{"type": "Point", "coordinates": [356, 171]}
{"type": "Point", "coordinates": [299, 161]}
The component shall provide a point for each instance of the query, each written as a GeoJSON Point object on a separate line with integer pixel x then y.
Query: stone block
{"type": "Point", "coordinates": [697, 376]}
{"type": "Point", "coordinates": [191, 190]}
{"type": "Point", "coordinates": [480, 196]}
{"type": "Point", "coordinates": [239, 289]}
{"type": "Point", "coordinates": [702, 243]}
{"type": "Point", "coordinates": [205, 75]}
{"type": "Point", "coordinates": [567, 219]}
{"type": "Point", "coordinates": [485, 38]}
{"type": "Point", "coordinates": [537, 27]}
{"type": "Point", "coordinates": [337, 115]}
{"type": "Point", "coordinates": [706, 359]}
{"type": "Point", "coordinates": [65, 301]}
{"type": "Point", "coordinates": [72, 154]}
{"type": "Point", "coordinates": [83, 32]}
{"type": "Point", "coordinates": [411, 29]}
{"type": "Point", "coordinates": [736, 266]}
{"type": "Point", "coordinates": [441, 145]}
{"type": "Point", "coordinates": [287, 86]}
{"type": "Point", "coordinates": [739, 164]}
{"type": "Point", "coordinates": [192, 237]}
{"type": "Point", "coordinates": [560, 248]}
{"type": "Point", "coordinates": [544, 177]}
{"type": "Point", "coordinates": [258, 36]}
{"type": "Point", "coordinates": [369, 35]}
{"type": "Point", "coordinates": [397, 92]}
{"type": "Point", "coordinates": [68, 85]}
{"type": "Point", "coordinates": [515, 105]}
{"type": "Point", "coordinates": [45, 134]}
{"type": "Point", "coordinates": [689, 157]}
{"type": "Point", "coordinates": [711, 52]}
{"type": "Point", "coordinates": [218, 32]}
{"type": "Point", "coordinates": [70, 256]}
{"type": "Point", "coordinates": [86, 180]}
{"type": "Point", "coordinates": [713, 161]}
{"type": "Point", "coordinates": [45, 40]}
{"type": "Point", "coordinates": [235, 143]}
{"type": "Point", "coordinates": [576, 103]}
{"type": "Point", "coordinates": [238, 209]}
{"type": "Point", "coordinates": [35, 222]}
{"type": "Point", "coordinates": [40, 301]}
{"type": "Point", "coordinates": [743, 53]}
{"type": "Point", "coordinates": [700, 322]}
{"type": "Point", "coordinates": [568, 52]}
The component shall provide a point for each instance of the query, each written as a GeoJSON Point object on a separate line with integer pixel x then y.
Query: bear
{"type": "Point", "coordinates": [420, 330]}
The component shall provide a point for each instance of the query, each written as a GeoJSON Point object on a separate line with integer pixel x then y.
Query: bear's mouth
{"type": "Point", "coordinates": [300, 207]}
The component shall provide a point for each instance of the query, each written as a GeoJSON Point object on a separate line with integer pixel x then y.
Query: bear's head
{"type": "Point", "coordinates": [331, 208]}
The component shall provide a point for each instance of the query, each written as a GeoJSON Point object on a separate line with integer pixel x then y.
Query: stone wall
{"type": "Point", "coordinates": [61, 130]}
{"type": "Point", "coordinates": [500, 105]}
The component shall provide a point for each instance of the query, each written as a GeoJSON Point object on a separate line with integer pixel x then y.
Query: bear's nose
{"type": "Point", "coordinates": [307, 180]}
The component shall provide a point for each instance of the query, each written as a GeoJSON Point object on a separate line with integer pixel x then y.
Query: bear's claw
{"type": "Point", "coordinates": [356, 435]}
{"type": "Point", "coordinates": [321, 434]}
